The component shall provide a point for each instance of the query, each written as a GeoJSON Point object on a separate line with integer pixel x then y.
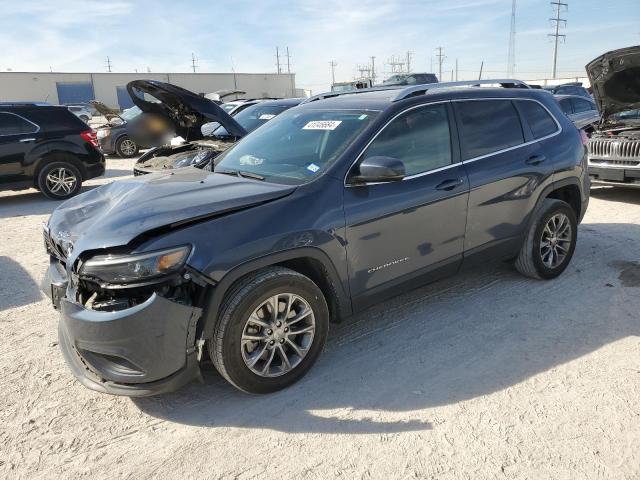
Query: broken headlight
{"type": "Point", "coordinates": [135, 268]}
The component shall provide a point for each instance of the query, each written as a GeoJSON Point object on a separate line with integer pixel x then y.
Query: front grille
{"type": "Point", "coordinates": [615, 150]}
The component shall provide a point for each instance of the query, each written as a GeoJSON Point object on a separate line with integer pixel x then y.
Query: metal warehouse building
{"type": "Point", "coordinates": [109, 88]}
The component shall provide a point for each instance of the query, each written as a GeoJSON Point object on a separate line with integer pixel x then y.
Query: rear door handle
{"type": "Point", "coordinates": [25, 140]}
{"type": "Point", "coordinates": [450, 184]}
{"type": "Point", "coordinates": [536, 159]}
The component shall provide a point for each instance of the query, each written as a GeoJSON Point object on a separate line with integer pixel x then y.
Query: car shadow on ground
{"type": "Point", "coordinates": [617, 194]}
{"type": "Point", "coordinates": [453, 341]}
{"type": "Point", "coordinates": [21, 290]}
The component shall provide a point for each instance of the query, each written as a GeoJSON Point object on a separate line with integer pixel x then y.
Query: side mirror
{"type": "Point", "coordinates": [379, 169]}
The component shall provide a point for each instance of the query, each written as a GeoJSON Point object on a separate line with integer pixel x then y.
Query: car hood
{"type": "Point", "coordinates": [194, 153]}
{"type": "Point", "coordinates": [184, 109]}
{"type": "Point", "coordinates": [615, 79]}
{"type": "Point", "coordinates": [115, 214]}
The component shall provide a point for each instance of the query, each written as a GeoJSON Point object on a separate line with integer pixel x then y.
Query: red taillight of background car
{"type": "Point", "coordinates": [90, 136]}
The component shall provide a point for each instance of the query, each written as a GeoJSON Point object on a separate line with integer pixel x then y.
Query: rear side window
{"type": "Point", "coordinates": [420, 138]}
{"type": "Point", "coordinates": [538, 118]}
{"type": "Point", "coordinates": [580, 105]}
{"type": "Point", "coordinates": [56, 119]}
{"type": "Point", "coordinates": [14, 125]}
{"type": "Point", "coordinates": [488, 126]}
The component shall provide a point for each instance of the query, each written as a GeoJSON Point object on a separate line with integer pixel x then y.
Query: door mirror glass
{"type": "Point", "coordinates": [379, 169]}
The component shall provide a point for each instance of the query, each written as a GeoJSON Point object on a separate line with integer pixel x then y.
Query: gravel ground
{"type": "Point", "coordinates": [484, 375]}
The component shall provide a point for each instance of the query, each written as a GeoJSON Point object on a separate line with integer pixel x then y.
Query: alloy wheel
{"type": "Point", "coordinates": [555, 242]}
{"type": "Point", "coordinates": [128, 147]}
{"type": "Point", "coordinates": [278, 335]}
{"type": "Point", "coordinates": [61, 181]}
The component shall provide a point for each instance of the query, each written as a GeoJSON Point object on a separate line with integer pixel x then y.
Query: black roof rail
{"type": "Point", "coordinates": [415, 90]}
{"type": "Point", "coordinates": [322, 96]}
{"type": "Point", "coordinates": [25, 104]}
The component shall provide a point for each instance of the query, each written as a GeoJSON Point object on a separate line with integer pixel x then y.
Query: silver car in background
{"type": "Point", "coordinates": [582, 111]}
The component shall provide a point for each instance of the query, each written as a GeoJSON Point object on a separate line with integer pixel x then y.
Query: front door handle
{"type": "Point", "coordinates": [536, 159]}
{"type": "Point", "coordinates": [25, 140]}
{"type": "Point", "coordinates": [450, 184]}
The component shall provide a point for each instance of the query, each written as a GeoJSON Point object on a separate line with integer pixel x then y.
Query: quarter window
{"type": "Point", "coordinates": [488, 126]}
{"type": "Point", "coordinates": [14, 125]}
{"type": "Point", "coordinates": [538, 118]}
{"type": "Point", "coordinates": [420, 138]}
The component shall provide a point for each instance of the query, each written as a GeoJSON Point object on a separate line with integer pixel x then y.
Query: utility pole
{"type": "Point", "coordinates": [511, 58]}
{"type": "Point", "coordinates": [373, 70]}
{"type": "Point", "coordinates": [193, 62]}
{"type": "Point", "coordinates": [481, 67]}
{"type": "Point", "coordinates": [278, 60]}
{"type": "Point", "coordinates": [108, 64]}
{"type": "Point", "coordinates": [441, 58]}
{"type": "Point", "coordinates": [456, 69]}
{"type": "Point", "coordinates": [557, 22]}
{"type": "Point", "coordinates": [288, 61]}
{"type": "Point", "coordinates": [333, 64]}
{"type": "Point", "coordinates": [409, 54]}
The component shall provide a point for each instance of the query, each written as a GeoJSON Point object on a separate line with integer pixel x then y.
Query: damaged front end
{"type": "Point", "coordinates": [128, 322]}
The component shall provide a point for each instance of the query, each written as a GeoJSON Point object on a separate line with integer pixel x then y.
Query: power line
{"type": "Point", "coordinates": [511, 58]}
{"type": "Point", "coordinates": [557, 22]}
{"type": "Point", "coordinates": [108, 64]}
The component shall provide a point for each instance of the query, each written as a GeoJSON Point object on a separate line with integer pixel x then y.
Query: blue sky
{"type": "Point", "coordinates": [77, 35]}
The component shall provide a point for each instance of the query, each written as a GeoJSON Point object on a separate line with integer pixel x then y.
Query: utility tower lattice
{"type": "Point", "coordinates": [511, 58]}
{"type": "Point", "coordinates": [333, 64]}
{"type": "Point", "coordinates": [108, 64]}
{"type": "Point", "coordinates": [397, 64]}
{"type": "Point", "coordinates": [557, 22]}
{"type": "Point", "coordinates": [194, 65]}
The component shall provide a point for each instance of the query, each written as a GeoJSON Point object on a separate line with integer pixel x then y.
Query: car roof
{"type": "Point", "coordinates": [383, 98]}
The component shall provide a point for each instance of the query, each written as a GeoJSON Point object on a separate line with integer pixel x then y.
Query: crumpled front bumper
{"type": "Point", "coordinates": [139, 351]}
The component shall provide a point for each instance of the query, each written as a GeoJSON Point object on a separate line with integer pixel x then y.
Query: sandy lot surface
{"type": "Point", "coordinates": [484, 375]}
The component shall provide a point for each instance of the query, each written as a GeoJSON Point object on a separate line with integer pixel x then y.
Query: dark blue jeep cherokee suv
{"type": "Point", "coordinates": [331, 206]}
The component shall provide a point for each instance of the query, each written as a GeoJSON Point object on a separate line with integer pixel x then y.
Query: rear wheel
{"type": "Point", "coordinates": [59, 180]}
{"type": "Point", "coordinates": [271, 330]}
{"type": "Point", "coordinates": [550, 242]}
{"type": "Point", "coordinates": [126, 148]}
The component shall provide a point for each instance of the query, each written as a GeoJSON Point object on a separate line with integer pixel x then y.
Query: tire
{"type": "Point", "coordinates": [232, 357]}
{"type": "Point", "coordinates": [536, 259]}
{"type": "Point", "coordinates": [126, 148]}
{"type": "Point", "coordinates": [59, 180]}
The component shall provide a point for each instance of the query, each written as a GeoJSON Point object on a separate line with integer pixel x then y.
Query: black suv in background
{"type": "Point", "coordinates": [333, 205]}
{"type": "Point", "coordinates": [46, 147]}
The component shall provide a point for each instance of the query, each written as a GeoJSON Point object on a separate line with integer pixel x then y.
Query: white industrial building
{"type": "Point", "coordinates": [109, 88]}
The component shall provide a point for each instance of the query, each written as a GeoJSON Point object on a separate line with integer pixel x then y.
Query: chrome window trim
{"type": "Point", "coordinates": [462, 162]}
{"type": "Point", "coordinates": [25, 119]}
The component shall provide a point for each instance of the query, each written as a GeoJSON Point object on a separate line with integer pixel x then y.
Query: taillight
{"type": "Point", "coordinates": [91, 137]}
{"type": "Point", "coordinates": [584, 137]}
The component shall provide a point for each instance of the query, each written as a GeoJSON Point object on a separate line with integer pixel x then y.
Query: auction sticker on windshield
{"type": "Point", "coordinates": [322, 125]}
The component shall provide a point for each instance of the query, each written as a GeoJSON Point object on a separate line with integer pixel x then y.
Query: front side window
{"type": "Point", "coordinates": [488, 126]}
{"type": "Point", "coordinates": [296, 146]}
{"type": "Point", "coordinates": [14, 125]}
{"type": "Point", "coordinates": [538, 118]}
{"type": "Point", "coordinates": [419, 138]}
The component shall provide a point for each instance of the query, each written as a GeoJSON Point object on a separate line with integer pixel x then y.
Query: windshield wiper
{"type": "Point", "coordinates": [240, 173]}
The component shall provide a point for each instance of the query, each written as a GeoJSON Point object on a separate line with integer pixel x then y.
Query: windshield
{"type": "Point", "coordinates": [297, 146]}
{"type": "Point", "coordinates": [130, 113]}
{"type": "Point", "coordinates": [394, 79]}
{"type": "Point", "coordinates": [252, 117]}
{"type": "Point", "coordinates": [343, 88]}
{"type": "Point", "coordinates": [626, 115]}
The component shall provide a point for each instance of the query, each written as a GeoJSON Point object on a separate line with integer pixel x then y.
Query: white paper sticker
{"type": "Point", "coordinates": [266, 116]}
{"type": "Point", "coordinates": [312, 167]}
{"type": "Point", "coordinates": [322, 125]}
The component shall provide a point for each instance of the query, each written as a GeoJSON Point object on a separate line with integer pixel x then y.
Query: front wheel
{"type": "Point", "coordinates": [550, 242]}
{"type": "Point", "coordinates": [271, 330]}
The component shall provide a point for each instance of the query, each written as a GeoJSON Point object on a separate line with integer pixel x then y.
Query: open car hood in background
{"type": "Point", "coordinates": [615, 79]}
{"type": "Point", "coordinates": [184, 109]}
